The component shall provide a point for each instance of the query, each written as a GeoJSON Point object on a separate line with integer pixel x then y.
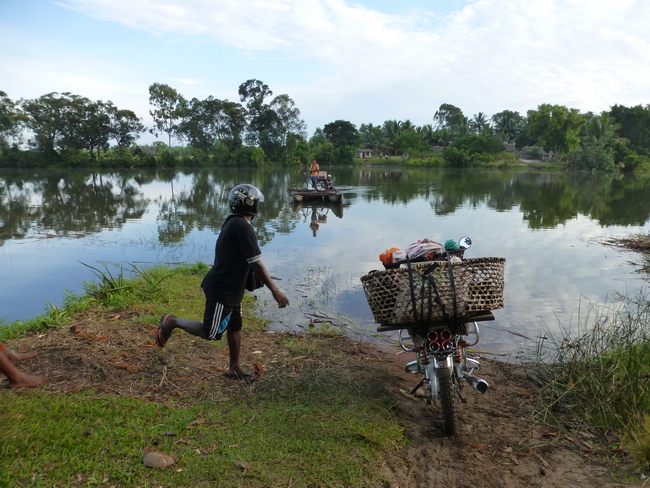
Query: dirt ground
{"type": "Point", "coordinates": [499, 444]}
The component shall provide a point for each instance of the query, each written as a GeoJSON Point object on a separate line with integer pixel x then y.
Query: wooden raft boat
{"type": "Point", "coordinates": [304, 195]}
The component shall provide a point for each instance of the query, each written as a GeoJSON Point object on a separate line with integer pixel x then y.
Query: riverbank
{"type": "Point", "coordinates": [325, 411]}
{"type": "Point", "coordinates": [108, 358]}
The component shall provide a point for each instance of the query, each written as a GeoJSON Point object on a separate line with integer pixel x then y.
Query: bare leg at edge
{"type": "Point", "coordinates": [170, 322]}
{"type": "Point", "coordinates": [234, 347]}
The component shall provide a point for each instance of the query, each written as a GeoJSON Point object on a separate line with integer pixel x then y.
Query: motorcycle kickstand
{"type": "Point", "coordinates": [462, 398]}
{"type": "Point", "coordinates": [417, 386]}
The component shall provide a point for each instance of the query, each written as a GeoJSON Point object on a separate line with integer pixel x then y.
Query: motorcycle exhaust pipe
{"type": "Point", "coordinates": [478, 384]}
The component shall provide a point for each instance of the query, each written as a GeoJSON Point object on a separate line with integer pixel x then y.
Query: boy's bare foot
{"type": "Point", "coordinates": [240, 376]}
{"type": "Point", "coordinates": [27, 381]}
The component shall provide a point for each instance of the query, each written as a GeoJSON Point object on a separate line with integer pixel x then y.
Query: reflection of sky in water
{"type": "Point", "coordinates": [548, 272]}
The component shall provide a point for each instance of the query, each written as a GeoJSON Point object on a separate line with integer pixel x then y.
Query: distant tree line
{"type": "Point", "coordinates": [259, 129]}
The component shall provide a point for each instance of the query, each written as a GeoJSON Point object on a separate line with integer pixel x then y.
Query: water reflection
{"type": "Point", "coordinates": [316, 213]}
{"type": "Point", "coordinates": [543, 224]}
{"type": "Point", "coordinates": [65, 203]}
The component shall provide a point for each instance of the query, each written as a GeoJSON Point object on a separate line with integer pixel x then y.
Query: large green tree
{"type": "Point", "coordinates": [67, 123]}
{"type": "Point", "coordinates": [10, 118]}
{"type": "Point", "coordinates": [232, 125]}
{"type": "Point", "coordinates": [556, 128]}
{"type": "Point", "coordinates": [634, 125]}
{"type": "Point", "coordinates": [57, 121]}
{"type": "Point", "coordinates": [408, 141]}
{"type": "Point", "coordinates": [289, 116]}
{"type": "Point", "coordinates": [213, 121]}
{"type": "Point", "coordinates": [45, 120]}
{"type": "Point", "coordinates": [259, 116]}
{"type": "Point", "coordinates": [126, 126]}
{"type": "Point", "coordinates": [169, 108]}
{"type": "Point", "coordinates": [449, 117]}
{"type": "Point", "coordinates": [94, 129]}
{"type": "Point", "coordinates": [270, 125]}
{"type": "Point", "coordinates": [341, 133]}
{"type": "Point", "coordinates": [197, 126]}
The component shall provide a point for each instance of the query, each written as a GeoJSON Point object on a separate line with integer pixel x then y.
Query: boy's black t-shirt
{"type": "Point", "coordinates": [236, 248]}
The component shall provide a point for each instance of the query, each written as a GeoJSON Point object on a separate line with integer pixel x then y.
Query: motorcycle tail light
{"type": "Point", "coordinates": [441, 341]}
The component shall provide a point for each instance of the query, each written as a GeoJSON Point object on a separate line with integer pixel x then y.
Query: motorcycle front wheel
{"type": "Point", "coordinates": [446, 398]}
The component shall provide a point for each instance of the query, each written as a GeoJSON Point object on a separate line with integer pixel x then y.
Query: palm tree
{"type": "Point", "coordinates": [391, 129]}
{"type": "Point", "coordinates": [427, 134]}
{"type": "Point", "coordinates": [602, 128]}
{"type": "Point", "coordinates": [508, 123]}
{"type": "Point", "coordinates": [463, 128]}
{"type": "Point", "coordinates": [372, 137]}
{"type": "Point", "coordinates": [479, 123]}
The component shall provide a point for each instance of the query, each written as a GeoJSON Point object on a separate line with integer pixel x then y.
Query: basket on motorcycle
{"type": "Point", "coordinates": [435, 291]}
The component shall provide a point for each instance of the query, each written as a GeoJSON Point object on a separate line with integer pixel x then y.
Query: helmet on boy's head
{"type": "Point", "coordinates": [245, 199]}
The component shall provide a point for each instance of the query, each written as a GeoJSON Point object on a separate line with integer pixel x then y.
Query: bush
{"type": "Point", "coordinates": [344, 155]}
{"type": "Point", "coordinates": [250, 157]}
{"type": "Point", "coordinates": [592, 156]}
{"type": "Point", "coordinates": [15, 158]}
{"type": "Point", "coordinates": [324, 154]}
{"type": "Point", "coordinates": [479, 144]}
{"type": "Point", "coordinates": [456, 158]}
{"type": "Point", "coordinates": [636, 162]}
{"type": "Point", "coordinates": [432, 162]}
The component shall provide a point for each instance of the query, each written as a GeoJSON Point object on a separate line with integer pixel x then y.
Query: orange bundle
{"type": "Point", "coordinates": [386, 257]}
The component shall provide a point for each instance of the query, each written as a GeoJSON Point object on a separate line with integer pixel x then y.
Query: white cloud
{"type": "Point", "coordinates": [346, 60]}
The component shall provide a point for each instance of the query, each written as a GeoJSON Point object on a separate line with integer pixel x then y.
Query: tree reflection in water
{"type": "Point", "coordinates": [538, 221]}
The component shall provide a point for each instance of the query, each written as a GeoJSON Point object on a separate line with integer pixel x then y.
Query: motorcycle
{"type": "Point", "coordinates": [441, 345]}
{"type": "Point", "coordinates": [443, 362]}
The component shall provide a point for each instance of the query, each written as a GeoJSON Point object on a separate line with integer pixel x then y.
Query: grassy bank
{"type": "Point", "coordinates": [320, 415]}
{"type": "Point", "coordinates": [598, 373]}
{"type": "Point", "coordinates": [112, 396]}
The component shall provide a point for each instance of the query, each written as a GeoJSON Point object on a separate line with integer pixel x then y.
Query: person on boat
{"type": "Point", "coordinates": [17, 379]}
{"type": "Point", "coordinates": [237, 259]}
{"type": "Point", "coordinates": [313, 171]}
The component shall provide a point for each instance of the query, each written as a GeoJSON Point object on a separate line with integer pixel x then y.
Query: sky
{"type": "Point", "coordinates": [364, 61]}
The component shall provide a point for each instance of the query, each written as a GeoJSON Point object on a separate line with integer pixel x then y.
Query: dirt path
{"type": "Point", "coordinates": [499, 443]}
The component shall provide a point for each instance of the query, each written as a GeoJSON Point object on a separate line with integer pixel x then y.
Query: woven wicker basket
{"type": "Point", "coordinates": [425, 294]}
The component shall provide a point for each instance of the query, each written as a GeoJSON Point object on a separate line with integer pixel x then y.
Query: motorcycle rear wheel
{"type": "Point", "coordinates": [446, 397]}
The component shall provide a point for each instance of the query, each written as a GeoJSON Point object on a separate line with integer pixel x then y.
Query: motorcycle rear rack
{"type": "Point", "coordinates": [461, 320]}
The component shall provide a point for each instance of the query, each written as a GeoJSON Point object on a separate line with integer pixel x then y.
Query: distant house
{"type": "Point", "coordinates": [364, 153]}
{"type": "Point", "coordinates": [437, 149]}
{"type": "Point", "coordinates": [144, 150]}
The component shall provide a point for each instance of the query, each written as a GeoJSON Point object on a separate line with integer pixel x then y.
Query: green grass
{"type": "Point", "coordinates": [319, 430]}
{"type": "Point", "coordinates": [602, 374]}
{"type": "Point", "coordinates": [318, 427]}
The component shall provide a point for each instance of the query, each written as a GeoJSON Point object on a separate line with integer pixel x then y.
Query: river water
{"type": "Point", "coordinates": [549, 227]}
